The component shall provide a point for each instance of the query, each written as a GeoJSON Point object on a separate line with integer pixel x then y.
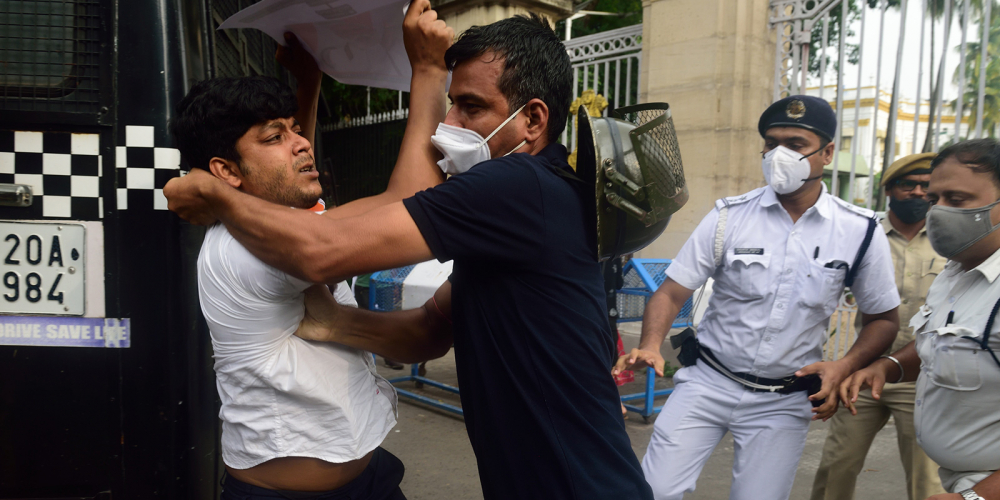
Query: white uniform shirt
{"type": "Point", "coordinates": [772, 300]}
{"type": "Point", "coordinates": [283, 396]}
{"type": "Point", "coordinates": [957, 408]}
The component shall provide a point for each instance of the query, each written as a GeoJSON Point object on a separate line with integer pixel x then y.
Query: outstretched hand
{"type": "Point", "coordinates": [425, 37]}
{"type": "Point", "coordinates": [832, 373]}
{"type": "Point", "coordinates": [298, 61]}
{"type": "Point", "coordinates": [321, 314]}
{"type": "Point", "coordinates": [639, 359]}
{"type": "Point", "coordinates": [873, 376]}
{"type": "Point", "coordinates": [186, 196]}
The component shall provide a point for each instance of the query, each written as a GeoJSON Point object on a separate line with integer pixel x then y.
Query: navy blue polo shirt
{"type": "Point", "coordinates": [533, 346]}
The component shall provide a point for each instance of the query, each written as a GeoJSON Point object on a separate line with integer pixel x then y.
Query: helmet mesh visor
{"type": "Point", "coordinates": [659, 152]}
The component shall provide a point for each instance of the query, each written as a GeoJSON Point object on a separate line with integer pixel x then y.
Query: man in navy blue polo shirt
{"type": "Point", "coordinates": [525, 305]}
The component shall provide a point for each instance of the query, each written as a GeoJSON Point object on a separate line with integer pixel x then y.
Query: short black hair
{"type": "Point", "coordinates": [214, 115]}
{"type": "Point", "coordinates": [981, 155]}
{"type": "Point", "coordinates": [535, 63]}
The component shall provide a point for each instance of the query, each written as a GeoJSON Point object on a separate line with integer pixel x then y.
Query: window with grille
{"type": "Point", "coordinates": [50, 55]}
{"type": "Point", "coordinates": [241, 52]}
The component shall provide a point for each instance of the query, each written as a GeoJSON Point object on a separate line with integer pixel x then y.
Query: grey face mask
{"type": "Point", "coordinates": [953, 230]}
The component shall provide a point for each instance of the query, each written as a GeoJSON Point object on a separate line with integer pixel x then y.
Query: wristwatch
{"type": "Point", "coordinates": [970, 495]}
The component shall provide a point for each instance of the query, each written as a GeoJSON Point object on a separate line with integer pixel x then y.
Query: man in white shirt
{"type": "Point", "coordinates": [780, 256]}
{"type": "Point", "coordinates": [954, 355]}
{"type": "Point", "coordinates": [300, 419]}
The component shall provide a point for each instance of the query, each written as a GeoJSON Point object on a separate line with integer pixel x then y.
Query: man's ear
{"type": "Point", "coordinates": [828, 151]}
{"type": "Point", "coordinates": [538, 120]}
{"type": "Point", "coordinates": [226, 170]}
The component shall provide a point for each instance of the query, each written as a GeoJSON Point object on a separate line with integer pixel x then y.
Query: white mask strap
{"type": "Point", "coordinates": [517, 147]}
{"type": "Point", "coordinates": [505, 122]}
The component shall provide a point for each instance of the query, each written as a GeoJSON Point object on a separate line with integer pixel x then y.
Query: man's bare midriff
{"type": "Point", "coordinates": [301, 473]}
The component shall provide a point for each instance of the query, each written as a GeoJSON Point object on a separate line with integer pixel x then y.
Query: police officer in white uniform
{"type": "Point", "coordinates": [954, 357]}
{"type": "Point", "coordinates": [780, 256]}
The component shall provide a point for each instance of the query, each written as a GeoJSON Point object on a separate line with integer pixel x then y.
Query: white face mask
{"type": "Point", "coordinates": [785, 170]}
{"type": "Point", "coordinates": [463, 148]}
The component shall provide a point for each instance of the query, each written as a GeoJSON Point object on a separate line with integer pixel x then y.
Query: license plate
{"type": "Point", "coordinates": [43, 268]}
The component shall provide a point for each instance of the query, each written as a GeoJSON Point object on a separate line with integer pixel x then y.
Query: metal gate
{"type": "Point", "coordinates": [802, 24]}
{"type": "Point", "coordinates": [609, 64]}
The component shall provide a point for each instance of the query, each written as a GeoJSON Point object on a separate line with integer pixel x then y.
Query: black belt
{"type": "Point", "coordinates": [692, 350]}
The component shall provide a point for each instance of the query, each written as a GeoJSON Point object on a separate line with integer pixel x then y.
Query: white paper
{"type": "Point", "coordinates": [357, 42]}
{"type": "Point", "coordinates": [419, 286]}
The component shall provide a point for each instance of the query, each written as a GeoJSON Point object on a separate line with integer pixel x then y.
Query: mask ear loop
{"type": "Point", "coordinates": [820, 176]}
{"type": "Point", "coordinates": [502, 125]}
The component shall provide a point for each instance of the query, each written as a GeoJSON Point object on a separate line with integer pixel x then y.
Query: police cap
{"type": "Point", "coordinates": [908, 165]}
{"type": "Point", "coordinates": [803, 111]}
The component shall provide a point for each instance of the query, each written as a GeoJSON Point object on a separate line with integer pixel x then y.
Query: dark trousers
{"type": "Point", "coordinates": [379, 481]}
{"type": "Point", "coordinates": [361, 295]}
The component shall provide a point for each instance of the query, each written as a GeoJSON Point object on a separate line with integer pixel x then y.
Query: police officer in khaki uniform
{"type": "Point", "coordinates": [916, 265]}
{"type": "Point", "coordinates": [956, 333]}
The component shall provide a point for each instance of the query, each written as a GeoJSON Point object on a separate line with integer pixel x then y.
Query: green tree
{"type": "Point", "coordinates": [833, 38]}
{"type": "Point", "coordinates": [973, 72]}
{"type": "Point", "coordinates": [937, 8]}
{"type": "Point", "coordinates": [344, 102]}
{"type": "Point", "coordinates": [629, 13]}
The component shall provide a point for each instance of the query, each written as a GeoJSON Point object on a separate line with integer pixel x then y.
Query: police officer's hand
{"type": "Point", "coordinates": [873, 376]}
{"type": "Point", "coordinates": [186, 196]}
{"type": "Point", "coordinates": [298, 61]}
{"type": "Point", "coordinates": [639, 359]}
{"type": "Point", "coordinates": [425, 37]}
{"type": "Point", "coordinates": [320, 316]}
{"type": "Point", "coordinates": [832, 373]}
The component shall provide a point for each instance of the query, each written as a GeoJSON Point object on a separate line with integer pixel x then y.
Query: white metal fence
{"type": "Point", "coordinates": [607, 63]}
{"type": "Point", "coordinates": [803, 24]}
{"type": "Point", "coordinates": [800, 24]}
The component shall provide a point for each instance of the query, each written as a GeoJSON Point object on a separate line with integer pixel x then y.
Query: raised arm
{"type": "Point", "coordinates": [407, 336]}
{"type": "Point", "coordinates": [426, 39]}
{"type": "Point", "coordinates": [661, 311]}
{"type": "Point", "coordinates": [316, 248]}
{"type": "Point", "coordinates": [308, 78]}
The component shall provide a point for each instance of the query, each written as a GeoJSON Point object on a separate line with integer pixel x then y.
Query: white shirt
{"type": "Point", "coordinates": [283, 396]}
{"type": "Point", "coordinates": [957, 407]}
{"type": "Point", "coordinates": [772, 300]}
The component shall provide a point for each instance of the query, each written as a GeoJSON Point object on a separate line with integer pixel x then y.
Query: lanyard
{"type": "Point", "coordinates": [985, 342]}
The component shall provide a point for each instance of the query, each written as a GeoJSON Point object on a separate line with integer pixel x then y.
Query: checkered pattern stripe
{"type": "Point", "coordinates": [63, 170]}
{"type": "Point", "coordinates": [143, 169]}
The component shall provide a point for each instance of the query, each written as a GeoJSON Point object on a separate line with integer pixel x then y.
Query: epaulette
{"type": "Point", "coordinates": [864, 212]}
{"type": "Point", "coordinates": [739, 199]}
{"type": "Point", "coordinates": [720, 226]}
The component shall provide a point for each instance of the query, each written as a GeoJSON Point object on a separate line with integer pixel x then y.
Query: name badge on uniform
{"type": "Point", "coordinates": [749, 251]}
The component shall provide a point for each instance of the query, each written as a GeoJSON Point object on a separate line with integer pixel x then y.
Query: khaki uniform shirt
{"type": "Point", "coordinates": [916, 265]}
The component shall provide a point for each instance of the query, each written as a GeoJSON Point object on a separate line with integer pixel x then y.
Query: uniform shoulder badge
{"type": "Point", "coordinates": [739, 199]}
{"type": "Point", "coordinates": [864, 212]}
{"type": "Point", "coordinates": [796, 109]}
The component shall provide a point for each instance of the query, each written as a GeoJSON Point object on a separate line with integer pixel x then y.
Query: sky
{"type": "Point", "coordinates": [911, 52]}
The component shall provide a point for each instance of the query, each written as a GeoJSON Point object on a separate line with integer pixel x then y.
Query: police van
{"type": "Point", "coordinates": [106, 382]}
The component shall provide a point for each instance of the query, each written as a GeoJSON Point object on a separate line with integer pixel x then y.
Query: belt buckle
{"type": "Point", "coordinates": [788, 382]}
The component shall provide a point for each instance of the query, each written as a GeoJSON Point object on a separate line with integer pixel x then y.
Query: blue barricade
{"type": "Point", "coordinates": [641, 278]}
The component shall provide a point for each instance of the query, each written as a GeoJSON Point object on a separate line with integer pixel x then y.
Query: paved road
{"type": "Point", "coordinates": [440, 463]}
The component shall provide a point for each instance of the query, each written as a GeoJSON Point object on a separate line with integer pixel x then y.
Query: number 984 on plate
{"type": "Point", "coordinates": [42, 268]}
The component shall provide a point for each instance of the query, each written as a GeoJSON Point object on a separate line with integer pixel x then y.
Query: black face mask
{"type": "Point", "coordinates": [910, 210]}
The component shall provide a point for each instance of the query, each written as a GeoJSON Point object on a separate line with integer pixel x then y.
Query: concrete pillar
{"type": "Point", "coordinates": [713, 61]}
{"type": "Point", "coordinates": [462, 14]}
